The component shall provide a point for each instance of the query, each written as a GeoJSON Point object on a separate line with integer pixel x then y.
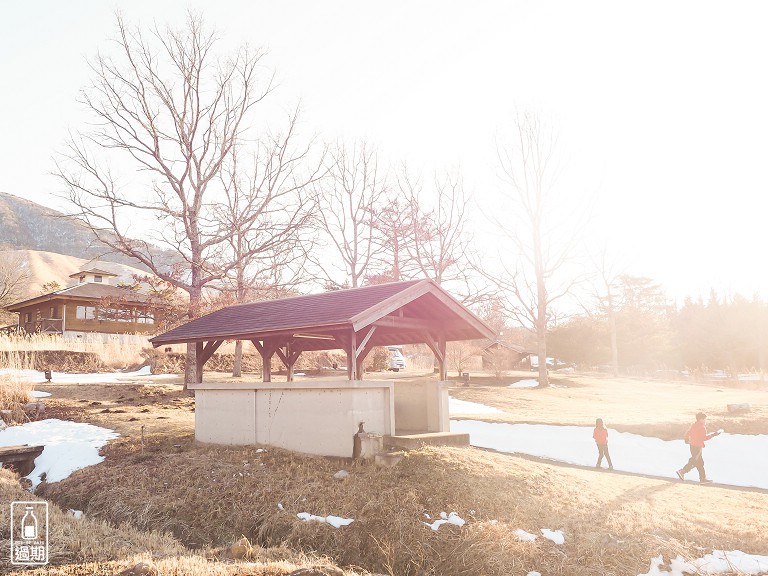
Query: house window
{"type": "Point", "coordinates": [97, 278]}
{"type": "Point", "coordinates": [27, 317]}
{"type": "Point", "coordinates": [145, 317]}
{"type": "Point", "coordinates": [82, 278]}
{"type": "Point", "coordinates": [53, 312]}
{"type": "Point", "coordinates": [85, 312]}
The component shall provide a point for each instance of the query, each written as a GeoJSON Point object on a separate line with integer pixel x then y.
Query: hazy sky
{"type": "Point", "coordinates": [661, 107]}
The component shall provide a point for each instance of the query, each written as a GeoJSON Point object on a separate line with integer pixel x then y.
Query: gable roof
{"type": "Point", "coordinates": [85, 291]}
{"type": "Point", "coordinates": [95, 271]}
{"type": "Point", "coordinates": [401, 312]}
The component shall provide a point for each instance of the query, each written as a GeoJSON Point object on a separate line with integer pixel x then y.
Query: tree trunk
{"type": "Point", "coordinates": [237, 369]}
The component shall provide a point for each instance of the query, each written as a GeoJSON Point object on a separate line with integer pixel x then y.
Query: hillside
{"type": "Point", "coordinates": [25, 225]}
{"type": "Point", "coordinates": [47, 267]}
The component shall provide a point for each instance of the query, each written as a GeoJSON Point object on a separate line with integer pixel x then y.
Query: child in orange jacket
{"type": "Point", "coordinates": [601, 439]}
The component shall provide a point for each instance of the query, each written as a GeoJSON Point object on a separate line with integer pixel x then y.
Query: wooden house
{"type": "Point", "coordinates": [90, 306]}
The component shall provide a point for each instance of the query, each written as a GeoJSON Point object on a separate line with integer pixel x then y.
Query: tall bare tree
{"type": "Point", "coordinates": [437, 243]}
{"type": "Point", "coordinates": [171, 109]}
{"type": "Point", "coordinates": [607, 296]}
{"type": "Point", "coordinates": [269, 211]}
{"type": "Point", "coordinates": [533, 273]}
{"type": "Point", "coordinates": [348, 199]}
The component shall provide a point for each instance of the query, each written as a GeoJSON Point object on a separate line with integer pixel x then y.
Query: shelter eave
{"type": "Point", "coordinates": [330, 329]}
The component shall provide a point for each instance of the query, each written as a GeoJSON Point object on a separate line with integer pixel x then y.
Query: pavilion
{"type": "Point", "coordinates": [319, 417]}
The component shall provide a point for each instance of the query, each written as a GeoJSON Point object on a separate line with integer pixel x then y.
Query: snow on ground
{"type": "Point", "coordinates": [84, 378]}
{"type": "Point", "coordinates": [555, 536]}
{"type": "Point", "coordinates": [452, 518]}
{"type": "Point", "coordinates": [39, 394]}
{"type": "Point", "coordinates": [527, 383]}
{"type": "Point", "coordinates": [456, 406]}
{"type": "Point", "coordinates": [719, 562]}
{"type": "Point", "coordinates": [69, 446]}
{"type": "Point", "coordinates": [335, 521]}
{"type": "Point", "coordinates": [729, 458]}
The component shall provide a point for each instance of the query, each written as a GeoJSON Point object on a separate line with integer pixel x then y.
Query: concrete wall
{"type": "Point", "coordinates": [310, 417]}
{"type": "Point", "coordinates": [421, 407]}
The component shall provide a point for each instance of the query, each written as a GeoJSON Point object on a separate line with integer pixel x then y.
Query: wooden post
{"type": "Point", "coordinates": [352, 363]}
{"type": "Point", "coordinates": [199, 362]}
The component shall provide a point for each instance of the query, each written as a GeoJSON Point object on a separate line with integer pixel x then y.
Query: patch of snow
{"type": "Point", "coordinates": [299, 374]}
{"type": "Point", "coordinates": [84, 378]}
{"type": "Point", "coordinates": [525, 536]}
{"type": "Point", "coordinates": [280, 506]}
{"type": "Point", "coordinates": [39, 394]}
{"type": "Point", "coordinates": [78, 514]}
{"type": "Point", "coordinates": [533, 573]}
{"type": "Point", "coordinates": [452, 518]}
{"type": "Point", "coordinates": [69, 446]}
{"type": "Point", "coordinates": [719, 562]}
{"type": "Point", "coordinates": [341, 475]}
{"type": "Point", "coordinates": [527, 383]}
{"type": "Point", "coordinates": [729, 457]}
{"type": "Point", "coordinates": [555, 536]}
{"type": "Point", "coordinates": [335, 521]}
{"type": "Point", "coordinates": [456, 406]}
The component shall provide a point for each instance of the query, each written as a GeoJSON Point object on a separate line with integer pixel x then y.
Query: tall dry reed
{"type": "Point", "coordinates": [115, 351]}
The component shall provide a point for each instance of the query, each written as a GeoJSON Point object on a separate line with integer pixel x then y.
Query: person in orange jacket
{"type": "Point", "coordinates": [601, 439]}
{"type": "Point", "coordinates": [696, 436]}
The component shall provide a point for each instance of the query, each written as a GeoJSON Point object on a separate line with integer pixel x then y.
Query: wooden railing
{"type": "Point", "coordinates": [44, 326]}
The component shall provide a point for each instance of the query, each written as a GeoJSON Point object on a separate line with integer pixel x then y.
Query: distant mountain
{"type": "Point", "coordinates": [25, 225]}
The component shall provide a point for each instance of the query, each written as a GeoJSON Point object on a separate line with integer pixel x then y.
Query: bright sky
{"type": "Point", "coordinates": [661, 107]}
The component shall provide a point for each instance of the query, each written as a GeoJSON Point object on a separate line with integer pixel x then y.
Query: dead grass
{"type": "Point", "coordinates": [613, 524]}
{"type": "Point", "coordinates": [111, 351]}
{"type": "Point", "coordinates": [648, 407]}
{"type": "Point", "coordinates": [208, 496]}
{"type": "Point", "coordinates": [92, 546]}
{"type": "Point", "coordinates": [14, 394]}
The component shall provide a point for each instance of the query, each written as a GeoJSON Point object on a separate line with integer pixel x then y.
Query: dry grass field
{"type": "Point", "coordinates": [650, 407]}
{"type": "Point", "coordinates": [204, 498]}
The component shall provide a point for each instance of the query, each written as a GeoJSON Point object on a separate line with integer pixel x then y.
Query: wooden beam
{"type": "Point", "coordinates": [437, 345]}
{"type": "Point", "coordinates": [404, 323]}
{"type": "Point", "coordinates": [210, 348]}
{"type": "Point", "coordinates": [365, 340]}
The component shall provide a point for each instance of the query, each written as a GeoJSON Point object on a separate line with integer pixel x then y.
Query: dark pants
{"type": "Point", "coordinates": [602, 450]}
{"type": "Point", "coordinates": [696, 461]}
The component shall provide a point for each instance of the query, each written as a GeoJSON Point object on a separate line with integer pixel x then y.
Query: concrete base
{"type": "Point", "coordinates": [414, 441]}
{"type": "Point", "coordinates": [311, 417]}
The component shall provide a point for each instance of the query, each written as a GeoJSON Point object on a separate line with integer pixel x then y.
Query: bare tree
{"type": "Point", "coordinates": [269, 213]}
{"type": "Point", "coordinates": [174, 111]}
{"type": "Point", "coordinates": [533, 274]}
{"type": "Point", "coordinates": [14, 278]}
{"type": "Point", "coordinates": [348, 199]}
{"type": "Point", "coordinates": [607, 295]}
{"type": "Point", "coordinates": [433, 234]}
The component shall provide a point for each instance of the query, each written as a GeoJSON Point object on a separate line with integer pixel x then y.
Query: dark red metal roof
{"type": "Point", "coordinates": [336, 312]}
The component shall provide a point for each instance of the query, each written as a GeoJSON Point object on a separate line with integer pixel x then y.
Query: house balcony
{"type": "Point", "coordinates": [44, 326]}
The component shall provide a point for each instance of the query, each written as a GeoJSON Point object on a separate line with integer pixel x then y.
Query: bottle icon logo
{"type": "Point", "coordinates": [29, 524]}
{"type": "Point", "coordinates": [29, 533]}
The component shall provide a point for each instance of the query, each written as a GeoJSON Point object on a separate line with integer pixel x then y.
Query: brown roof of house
{"type": "Point", "coordinates": [86, 291]}
{"type": "Point", "coordinates": [416, 304]}
{"type": "Point", "coordinates": [96, 271]}
{"type": "Point", "coordinates": [509, 346]}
